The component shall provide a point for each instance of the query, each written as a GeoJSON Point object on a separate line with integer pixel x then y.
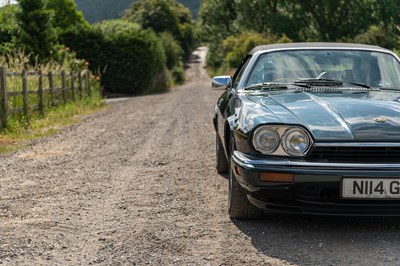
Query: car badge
{"type": "Point", "coordinates": [380, 119]}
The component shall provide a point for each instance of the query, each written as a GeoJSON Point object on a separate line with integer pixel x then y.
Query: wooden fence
{"type": "Point", "coordinates": [39, 91]}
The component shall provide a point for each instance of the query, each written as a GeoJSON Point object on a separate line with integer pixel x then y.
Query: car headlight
{"type": "Point", "coordinates": [296, 142]}
{"type": "Point", "coordinates": [265, 140]}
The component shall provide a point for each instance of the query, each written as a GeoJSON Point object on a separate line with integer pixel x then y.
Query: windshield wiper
{"type": "Point", "coordinates": [266, 86]}
{"type": "Point", "coordinates": [358, 84]}
{"type": "Point", "coordinates": [331, 82]}
{"type": "Point", "coordinates": [389, 88]}
{"type": "Point", "coordinates": [319, 82]}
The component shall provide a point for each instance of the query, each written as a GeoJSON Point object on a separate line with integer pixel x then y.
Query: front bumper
{"type": "Point", "coordinates": [316, 188]}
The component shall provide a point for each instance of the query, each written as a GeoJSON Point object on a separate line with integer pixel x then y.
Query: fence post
{"type": "Point", "coordinates": [73, 85]}
{"type": "Point", "coordinates": [4, 100]}
{"type": "Point", "coordinates": [64, 86]}
{"type": "Point", "coordinates": [25, 95]}
{"type": "Point", "coordinates": [51, 87]}
{"type": "Point", "coordinates": [40, 93]}
{"type": "Point", "coordinates": [88, 83]}
{"type": "Point", "coordinates": [80, 83]}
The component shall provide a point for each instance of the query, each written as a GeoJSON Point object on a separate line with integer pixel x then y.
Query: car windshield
{"type": "Point", "coordinates": [374, 69]}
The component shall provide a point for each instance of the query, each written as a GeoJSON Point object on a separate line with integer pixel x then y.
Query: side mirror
{"type": "Point", "coordinates": [221, 82]}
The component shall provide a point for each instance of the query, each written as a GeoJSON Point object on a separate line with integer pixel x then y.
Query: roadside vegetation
{"type": "Point", "coordinates": [56, 113]}
{"type": "Point", "coordinates": [233, 27]}
{"type": "Point", "coordinates": [142, 52]}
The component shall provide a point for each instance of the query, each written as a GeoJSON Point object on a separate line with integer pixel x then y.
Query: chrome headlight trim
{"type": "Point", "coordinates": [260, 140]}
{"type": "Point", "coordinates": [296, 142]}
{"type": "Point", "coordinates": [285, 147]}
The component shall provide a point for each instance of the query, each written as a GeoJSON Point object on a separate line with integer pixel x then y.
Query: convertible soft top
{"type": "Point", "coordinates": [315, 45]}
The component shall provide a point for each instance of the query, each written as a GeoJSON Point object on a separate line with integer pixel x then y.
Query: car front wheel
{"type": "Point", "coordinates": [239, 207]}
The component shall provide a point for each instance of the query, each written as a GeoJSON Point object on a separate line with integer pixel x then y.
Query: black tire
{"type": "Point", "coordinates": [222, 163]}
{"type": "Point", "coordinates": [239, 207]}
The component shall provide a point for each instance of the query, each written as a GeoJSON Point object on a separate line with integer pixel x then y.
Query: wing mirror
{"type": "Point", "coordinates": [221, 82]}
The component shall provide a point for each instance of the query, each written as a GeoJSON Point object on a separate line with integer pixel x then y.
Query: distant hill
{"type": "Point", "coordinates": [98, 10]}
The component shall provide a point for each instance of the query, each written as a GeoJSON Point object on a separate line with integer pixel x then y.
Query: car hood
{"type": "Point", "coordinates": [362, 116]}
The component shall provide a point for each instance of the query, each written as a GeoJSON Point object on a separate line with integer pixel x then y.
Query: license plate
{"type": "Point", "coordinates": [371, 188]}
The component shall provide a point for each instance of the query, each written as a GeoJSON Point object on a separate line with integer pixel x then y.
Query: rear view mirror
{"type": "Point", "coordinates": [221, 82]}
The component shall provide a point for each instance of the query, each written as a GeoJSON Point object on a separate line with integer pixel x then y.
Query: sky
{"type": "Point", "coordinates": [3, 2]}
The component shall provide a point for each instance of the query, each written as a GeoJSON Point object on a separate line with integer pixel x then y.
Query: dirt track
{"type": "Point", "coordinates": [136, 184]}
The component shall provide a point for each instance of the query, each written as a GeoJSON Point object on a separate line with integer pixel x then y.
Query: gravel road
{"type": "Point", "coordinates": [135, 185]}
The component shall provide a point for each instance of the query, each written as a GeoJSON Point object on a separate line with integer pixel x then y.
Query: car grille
{"type": "Point", "coordinates": [354, 154]}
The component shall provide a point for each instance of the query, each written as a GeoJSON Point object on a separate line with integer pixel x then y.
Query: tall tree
{"type": "Point", "coordinates": [164, 16]}
{"type": "Point", "coordinates": [158, 15]}
{"type": "Point", "coordinates": [66, 14]}
{"type": "Point", "coordinates": [37, 35]}
{"type": "Point", "coordinates": [216, 19]}
{"type": "Point", "coordinates": [8, 22]}
{"type": "Point", "coordinates": [333, 20]}
{"type": "Point", "coordinates": [268, 16]}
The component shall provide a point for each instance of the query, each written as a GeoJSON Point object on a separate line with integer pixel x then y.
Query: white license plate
{"type": "Point", "coordinates": [371, 188]}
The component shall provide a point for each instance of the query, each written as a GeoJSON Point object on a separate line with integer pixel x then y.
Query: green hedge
{"type": "Point", "coordinates": [174, 56]}
{"type": "Point", "coordinates": [130, 60]}
{"type": "Point", "coordinates": [133, 61]}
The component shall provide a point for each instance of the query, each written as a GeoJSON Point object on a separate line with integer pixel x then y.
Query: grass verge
{"type": "Point", "coordinates": [19, 134]}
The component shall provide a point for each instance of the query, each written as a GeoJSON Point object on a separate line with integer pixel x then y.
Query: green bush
{"type": "Point", "coordinates": [129, 59]}
{"type": "Point", "coordinates": [174, 56]}
{"type": "Point", "coordinates": [116, 26]}
{"type": "Point", "coordinates": [230, 53]}
{"type": "Point", "coordinates": [236, 47]}
{"type": "Point", "coordinates": [173, 52]}
{"type": "Point", "coordinates": [88, 43]}
{"type": "Point", "coordinates": [133, 60]}
{"type": "Point", "coordinates": [376, 35]}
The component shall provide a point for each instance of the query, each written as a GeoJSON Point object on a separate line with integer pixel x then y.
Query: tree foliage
{"type": "Point", "coordinates": [113, 9]}
{"type": "Point", "coordinates": [174, 56]}
{"type": "Point", "coordinates": [267, 16]}
{"type": "Point", "coordinates": [9, 26]}
{"type": "Point", "coordinates": [116, 26]}
{"type": "Point", "coordinates": [216, 19]}
{"type": "Point", "coordinates": [66, 14]}
{"type": "Point", "coordinates": [129, 59]}
{"type": "Point", "coordinates": [367, 21]}
{"type": "Point", "coordinates": [158, 15]}
{"type": "Point", "coordinates": [87, 42]}
{"type": "Point", "coordinates": [236, 47]}
{"type": "Point", "coordinates": [37, 36]}
{"type": "Point", "coordinates": [333, 20]}
{"type": "Point", "coordinates": [164, 16]}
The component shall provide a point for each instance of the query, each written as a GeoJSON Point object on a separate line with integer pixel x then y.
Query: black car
{"type": "Point", "coordinates": [311, 128]}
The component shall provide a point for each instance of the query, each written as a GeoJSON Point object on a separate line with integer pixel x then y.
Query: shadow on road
{"type": "Point", "coordinates": [315, 240]}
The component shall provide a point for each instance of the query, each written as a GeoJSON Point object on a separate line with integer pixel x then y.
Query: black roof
{"type": "Point", "coordinates": [302, 45]}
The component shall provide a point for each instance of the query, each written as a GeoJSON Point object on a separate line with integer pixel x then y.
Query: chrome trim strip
{"type": "Point", "coordinates": [357, 144]}
{"type": "Point", "coordinates": [242, 160]}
